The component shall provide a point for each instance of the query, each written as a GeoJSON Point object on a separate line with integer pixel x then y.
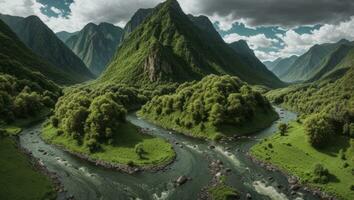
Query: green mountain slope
{"type": "Point", "coordinates": [138, 18]}
{"type": "Point", "coordinates": [271, 64]}
{"type": "Point", "coordinates": [24, 91]}
{"type": "Point", "coordinates": [339, 59]}
{"type": "Point", "coordinates": [283, 65]}
{"type": "Point", "coordinates": [63, 35]}
{"type": "Point", "coordinates": [20, 61]}
{"type": "Point", "coordinates": [95, 45]}
{"type": "Point", "coordinates": [308, 64]}
{"type": "Point", "coordinates": [42, 41]}
{"type": "Point", "coordinates": [241, 48]}
{"type": "Point", "coordinates": [169, 47]}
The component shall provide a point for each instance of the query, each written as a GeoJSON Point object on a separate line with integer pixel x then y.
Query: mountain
{"type": "Point", "coordinates": [42, 41]}
{"type": "Point", "coordinates": [308, 64]}
{"type": "Point", "coordinates": [63, 35]}
{"type": "Point", "coordinates": [241, 48]}
{"type": "Point", "coordinates": [283, 65]}
{"type": "Point", "coordinates": [271, 64]}
{"type": "Point", "coordinates": [16, 59]}
{"type": "Point", "coordinates": [337, 62]}
{"type": "Point", "coordinates": [138, 17]}
{"type": "Point", "coordinates": [95, 45]}
{"type": "Point", "coordinates": [169, 47]}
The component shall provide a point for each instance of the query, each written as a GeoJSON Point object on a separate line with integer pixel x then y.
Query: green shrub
{"type": "Point", "coordinates": [320, 174]}
{"type": "Point", "coordinates": [319, 130]}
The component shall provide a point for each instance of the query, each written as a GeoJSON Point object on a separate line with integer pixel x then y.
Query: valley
{"type": "Point", "coordinates": [160, 102]}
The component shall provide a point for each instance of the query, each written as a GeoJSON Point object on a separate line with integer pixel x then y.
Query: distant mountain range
{"type": "Point", "coordinates": [63, 35]}
{"type": "Point", "coordinates": [42, 41]}
{"type": "Point", "coordinates": [317, 63]}
{"type": "Point", "coordinates": [19, 61]}
{"type": "Point", "coordinates": [169, 46]}
{"type": "Point", "coordinates": [95, 45]}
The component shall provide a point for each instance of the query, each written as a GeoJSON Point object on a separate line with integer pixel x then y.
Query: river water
{"type": "Point", "coordinates": [86, 181]}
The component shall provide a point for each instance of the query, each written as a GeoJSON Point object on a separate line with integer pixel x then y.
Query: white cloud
{"type": "Point", "coordinates": [255, 41]}
{"type": "Point", "coordinates": [56, 10]}
{"type": "Point", "coordinates": [82, 12]}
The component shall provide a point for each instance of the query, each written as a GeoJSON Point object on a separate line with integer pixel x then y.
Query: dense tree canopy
{"type": "Point", "coordinates": [215, 100]}
{"type": "Point", "coordinates": [22, 98]}
{"type": "Point", "coordinates": [92, 115]}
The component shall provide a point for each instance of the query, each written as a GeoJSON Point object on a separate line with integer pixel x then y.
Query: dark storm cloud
{"type": "Point", "coordinates": [280, 12]}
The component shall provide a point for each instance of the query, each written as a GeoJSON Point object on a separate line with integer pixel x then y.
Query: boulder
{"type": "Point", "coordinates": [181, 180]}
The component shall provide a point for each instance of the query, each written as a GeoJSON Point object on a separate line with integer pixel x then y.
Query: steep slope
{"type": "Point", "coordinates": [307, 65]}
{"type": "Point", "coordinates": [339, 59]}
{"type": "Point", "coordinates": [241, 48]}
{"type": "Point", "coordinates": [271, 64]}
{"type": "Point", "coordinates": [17, 60]}
{"type": "Point", "coordinates": [283, 65]}
{"type": "Point", "coordinates": [168, 47]}
{"type": "Point", "coordinates": [138, 18]}
{"type": "Point", "coordinates": [63, 35]}
{"type": "Point", "coordinates": [95, 45]}
{"type": "Point", "coordinates": [24, 91]}
{"type": "Point", "coordinates": [42, 41]}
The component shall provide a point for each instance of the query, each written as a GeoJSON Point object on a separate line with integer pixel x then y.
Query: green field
{"type": "Point", "coordinates": [156, 150]}
{"type": "Point", "coordinates": [293, 154]}
{"type": "Point", "coordinates": [19, 180]}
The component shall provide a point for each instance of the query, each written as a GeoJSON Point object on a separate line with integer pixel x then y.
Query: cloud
{"type": "Point", "coordinates": [255, 41]}
{"type": "Point", "coordinates": [56, 10]}
{"type": "Point", "coordinates": [82, 12]}
{"type": "Point", "coordinates": [286, 13]}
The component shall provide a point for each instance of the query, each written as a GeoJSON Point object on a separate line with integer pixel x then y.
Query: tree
{"type": "Point", "coordinates": [319, 130]}
{"type": "Point", "coordinates": [139, 150]}
{"type": "Point", "coordinates": [283, 128]}
{"type": "Point", "coordinates": [215, 115]}
{"type": "Point", "coordinates": [321, 174]}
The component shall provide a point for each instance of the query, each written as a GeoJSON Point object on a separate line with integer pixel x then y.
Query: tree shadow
{"type": "Point", "coordinates": [337, 143]}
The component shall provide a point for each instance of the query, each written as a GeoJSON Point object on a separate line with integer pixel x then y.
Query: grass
{"type": "Point", "coordinates": [19, 180]}
{"type": "Point", "coordinates": [222, 192]}
{"type": "Point", "coordinates": [157, 151]}
{"type": "Point", "coordinates": [260, 121]}
{"type": "Point", "coordinates": [293, 154]}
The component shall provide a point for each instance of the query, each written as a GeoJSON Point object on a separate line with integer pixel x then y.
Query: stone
{"type": "Point", "coordinates": [181, 180]}
{"type": "Point", "coordinates": [248, 196]}
{"type": "Point", "coordinates": [211, 147]}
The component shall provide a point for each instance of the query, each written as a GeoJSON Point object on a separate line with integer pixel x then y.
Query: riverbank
{"type": "Point", "coordinates": [157, 152]}
{"type": "Point", "coordinates": [293, 156]}
{"type": "Point", "coordinates": [22, 176]}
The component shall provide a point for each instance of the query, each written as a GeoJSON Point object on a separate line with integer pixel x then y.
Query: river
{"type": "Point", "coordinates": [86, 181]}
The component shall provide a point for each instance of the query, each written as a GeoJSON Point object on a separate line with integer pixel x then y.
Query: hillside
{"type": "Point", "coordinates": [42, 41]}
{"type": "Point", "coordinates": [271, 64]}
{"type": "Point", "coordinates": [168, 47]}
{"type": "Point", "coordinates": [138, 18]}
{"type": "Point", "coordinates": [247, 55]}
{"type": "Point", "coordinates": [95, 45]}
{"type": "Point", "coordinates": [64, 35]}
{"type": "Point", "coordinates": [283, 65]}
{"type": "Point", "coordinates": [308, 64]}
{"type": "Point", "coordinates": [24, 92]}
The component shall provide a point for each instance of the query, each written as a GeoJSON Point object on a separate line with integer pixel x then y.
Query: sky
{"type": "Point", "coordinates": [272, 28]}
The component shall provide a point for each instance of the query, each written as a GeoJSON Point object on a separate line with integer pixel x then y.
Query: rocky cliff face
{"type": "Point", "coordinates": [156, 67]}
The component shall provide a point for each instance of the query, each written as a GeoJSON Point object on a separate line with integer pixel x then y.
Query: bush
{"type": "Point", "coordinates": [139, 150]}
{"type": "Point", "coordinates": [319, 129]}
{"type": "Point", "coordinates": [283, 128]}
{"type": "Point", "coordinates": [321, 174]}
